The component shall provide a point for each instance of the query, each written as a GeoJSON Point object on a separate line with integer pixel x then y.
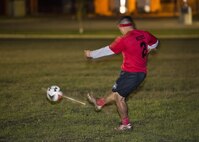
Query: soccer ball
{"type": "Point", "coordinates": [54, 93]}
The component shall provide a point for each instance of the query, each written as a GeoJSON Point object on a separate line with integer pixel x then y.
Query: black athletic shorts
{"type": "Point", "coordinates": [128, 82]}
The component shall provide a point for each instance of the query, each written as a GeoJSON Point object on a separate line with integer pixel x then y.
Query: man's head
{"type": "Point", "coordinates": [126, 24]}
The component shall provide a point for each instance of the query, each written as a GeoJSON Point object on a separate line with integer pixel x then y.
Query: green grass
{"type": "Point", "coordinates": [163, 109]}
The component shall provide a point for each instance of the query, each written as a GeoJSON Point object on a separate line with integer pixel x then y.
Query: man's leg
{"type": "Point", "coordinates": [101, 102]}
{"type": "Point", "coordinates": [123, 112]}
{"type": "Point", "coordinates": [118, 100]}
{"type": "Point", "coordinates": [120, 104]}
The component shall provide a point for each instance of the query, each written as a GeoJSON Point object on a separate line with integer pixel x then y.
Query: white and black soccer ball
{"type": "Point", "coordinates": [54, 93]}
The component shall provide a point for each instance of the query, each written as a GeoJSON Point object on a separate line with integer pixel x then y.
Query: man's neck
{"type": "Point", "coordinates": [128, 30]}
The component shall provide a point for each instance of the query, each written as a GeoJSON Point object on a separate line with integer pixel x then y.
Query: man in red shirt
{"type": "Point", "coordinates": [134, 46]}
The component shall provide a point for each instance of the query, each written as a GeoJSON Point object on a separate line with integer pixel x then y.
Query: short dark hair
{"type": "Point", "coordinates": [127, 20]}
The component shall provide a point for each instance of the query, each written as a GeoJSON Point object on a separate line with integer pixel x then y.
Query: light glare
{"type": "Point", "coordinates": [122, 6]}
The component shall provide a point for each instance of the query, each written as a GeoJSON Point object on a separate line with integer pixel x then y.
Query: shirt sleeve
{"type": "Point", "coordinates": [105, 51]}
{"type": "Point", "coordinates": [153, 46]}
{"type": "Point", "coordinates": [117, 46]}
{"type": "Point", "coordinates": [151, 39]}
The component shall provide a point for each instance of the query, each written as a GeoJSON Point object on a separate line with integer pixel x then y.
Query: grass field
{"type": "Point", "coordinates": [164, 109]}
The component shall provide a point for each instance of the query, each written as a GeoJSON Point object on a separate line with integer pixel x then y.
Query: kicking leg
{"type": "Point", "coordinates": [121, 107]}
{"type": "Point", "coordinates": [99, 103]}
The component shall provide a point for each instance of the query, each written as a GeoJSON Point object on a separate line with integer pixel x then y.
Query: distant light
{"type": "Point", "coordinates": [147, 8]}
{"type": "Point", "coordinates": [123, 8]}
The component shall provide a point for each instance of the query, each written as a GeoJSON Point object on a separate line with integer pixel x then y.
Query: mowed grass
{"type": "Point", "coordinates": [163, 109]}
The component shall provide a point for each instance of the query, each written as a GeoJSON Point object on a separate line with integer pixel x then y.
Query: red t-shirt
{"type": "Point", "coordinates": [133, 47]}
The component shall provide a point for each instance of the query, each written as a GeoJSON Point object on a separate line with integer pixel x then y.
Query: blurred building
{"type": "Point", "coordinates": [19, 8]}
